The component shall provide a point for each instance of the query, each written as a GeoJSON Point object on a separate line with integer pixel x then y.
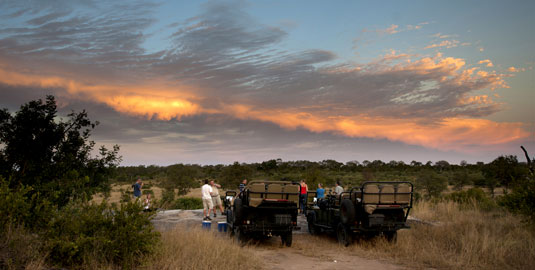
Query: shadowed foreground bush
{"type": "Point", "coordinates": [90, 233]}
{"type": "Point", "coordinates": [77, 236]}
{"type": "Point", "coordinates": [187, 248]}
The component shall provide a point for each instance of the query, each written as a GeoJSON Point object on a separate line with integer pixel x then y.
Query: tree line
{"type": "Point", "coordinates": [431, 177]}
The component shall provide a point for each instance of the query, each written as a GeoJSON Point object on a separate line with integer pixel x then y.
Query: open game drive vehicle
{"type": "Point", "coordinates": [263, 209]}
{"type": "Point", "coordinates": [375, 208]}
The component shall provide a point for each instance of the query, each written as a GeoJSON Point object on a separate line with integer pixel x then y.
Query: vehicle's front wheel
{"type": "Point", "coordinates": [286, 239]}
{"type": "Point", "coordinates": [343, 235]}
{"type": "Point", "coordinates": [311, 220]}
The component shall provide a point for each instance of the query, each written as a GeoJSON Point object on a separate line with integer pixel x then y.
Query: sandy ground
{"type": "Point", "coordinates": [271, 252]}
{"type": "Point", "coordinates": [288, 259]}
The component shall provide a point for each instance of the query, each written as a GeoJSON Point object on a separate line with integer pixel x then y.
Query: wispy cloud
{"type": "Point", "coordinates": [445, 43]}
{"type": "Point", "coordinates": [394, 28]}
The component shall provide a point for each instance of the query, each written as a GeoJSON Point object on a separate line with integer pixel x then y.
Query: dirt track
{"type": "Point", "coordinates": [273, 255]}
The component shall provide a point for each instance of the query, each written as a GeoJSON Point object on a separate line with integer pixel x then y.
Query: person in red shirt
{"type": "Point", "coordinates": [303, 196]}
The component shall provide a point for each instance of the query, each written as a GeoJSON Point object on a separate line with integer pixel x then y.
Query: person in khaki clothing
{"type": "Point", "coordinates": [216, 198]}
{"type": "Point", "coordinates": [207, 202]}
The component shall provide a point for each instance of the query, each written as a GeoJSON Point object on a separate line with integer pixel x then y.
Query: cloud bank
{"type": "Point", "coordinates": [223, 62]}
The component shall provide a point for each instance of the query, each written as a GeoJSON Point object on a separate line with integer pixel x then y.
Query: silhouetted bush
{"type": "Point", "coordinates": [187, 203]}
{"type": "Point", "coordinates": [472, 197]}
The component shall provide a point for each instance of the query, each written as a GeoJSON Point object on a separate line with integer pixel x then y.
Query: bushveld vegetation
{"type": "Point", "coordinates": [48, 177]}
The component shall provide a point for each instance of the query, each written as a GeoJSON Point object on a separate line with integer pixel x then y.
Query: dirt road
{"type": "Point", "coordinates": [306, 252]}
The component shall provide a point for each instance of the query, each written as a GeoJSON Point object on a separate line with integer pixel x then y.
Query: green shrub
{"type": "Point", "coordinates": [148, 191]}
{"type": "Point", "coordinates": [19, 208]}
{"type": "Point", "coordinates": [126, 196]}
{"type": "Point", "coordinates": [168, 195]}
{"type": "Point", "coordinates": [187, 203]}
{"type": "Point", "coordinates": [147, 186]}
{"type": "Point", "coordinates": [472, 197]}
{"type": "Point", "coordinates": [521, 199]}
{"type": "Point", "coordinates": [83, 233]}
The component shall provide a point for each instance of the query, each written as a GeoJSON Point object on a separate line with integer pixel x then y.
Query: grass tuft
{"type": "Point", "coordinates": [194, 248]}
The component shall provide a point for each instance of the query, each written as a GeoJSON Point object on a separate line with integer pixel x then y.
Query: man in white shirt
{"type": "Point", "coordinates": [338, 189]}
{"type": "Point", "coordinates": [207, 203]}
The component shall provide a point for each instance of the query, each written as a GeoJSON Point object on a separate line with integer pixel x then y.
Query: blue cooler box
{"type": "Point", "coordinates": [222, 226]}
{"type": "Point", "coordinates": [206, 225]}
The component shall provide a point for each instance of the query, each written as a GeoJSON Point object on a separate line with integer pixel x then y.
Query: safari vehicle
{"type": "Point", "coordinates": [375, 208]}
{"type": "Point", "coordinates": [263, 209]}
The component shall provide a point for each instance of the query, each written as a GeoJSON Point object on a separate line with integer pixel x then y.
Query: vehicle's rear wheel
{"type": "Point", "coordinates": [311, 220]}
{"type": "Point", "coordinates": [347, 212]}
{"type": "Point", "coordinates": [391, 237]}
{"type": "Point", "coordinates": [344, 235]}
{"type": "Point", "coordinates": [238, 211]}
{"type": "Point", "coordinates": [286, 239]}
{"type": "Point", "coordinates": [241, 238]}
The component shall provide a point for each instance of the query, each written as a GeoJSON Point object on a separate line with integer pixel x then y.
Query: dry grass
{"type": "Point", "coordinates": [188, 248]}
{"type": "Point", "coordinates": [464, 239]}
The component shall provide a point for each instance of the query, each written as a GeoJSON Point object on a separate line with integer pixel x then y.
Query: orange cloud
{"type": "Point", "coordinates": [514, 69]}
{"type": "Point", "coordinates": [151, 101]}
{"type": "Point", "coordinates": [162, 101]}
{"type": "Point", "coordinates": [446, 134]}
{"type": "Point", "coordinates": [486, 61]}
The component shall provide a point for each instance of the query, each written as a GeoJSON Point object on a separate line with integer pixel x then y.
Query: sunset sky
{"type": "Point", "coordinates": [213, 82]}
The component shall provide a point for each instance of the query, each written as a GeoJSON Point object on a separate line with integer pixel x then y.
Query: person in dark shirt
{"type": "Point", "coordinates": [243, 184]}
{"type": "Point", "coordinates": [137, 188]}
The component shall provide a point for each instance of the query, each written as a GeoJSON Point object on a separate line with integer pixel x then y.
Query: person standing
{"type": "Point", "coordinates": [242, 185]}
{"type": "Point", "coordinates": [137, 188]}
{"type": "Point", "coordinates": [338, 189]}
{"type": "Point", "coordinates": [207, 202]}
{"type": "Point", "coordinates": [303, 195]}
{"type": "Point", "coordinates": [320, 192]}
{"type": "Point", "coordinates": [216, 198]}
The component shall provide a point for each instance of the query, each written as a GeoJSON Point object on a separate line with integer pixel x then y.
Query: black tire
{"type": "Point", "coordinates": [343, 235]}
{"type": "Point", "coordinates": [286, 239]}
{"type": "Point", "coordinates": [238, 212]}
{"type": "Point", "coordinates": [391, 237]}
{"type": "Point", "coordinates": [311, 220]}
{"type": "Point", "coordinates": [240, 237]}
{"type": "Point", "coordinates": [347, 212]}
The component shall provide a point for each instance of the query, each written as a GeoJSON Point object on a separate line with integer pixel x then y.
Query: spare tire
{"type": "Point", "coordinates": [347, 212]}
{"type": "Point", "coordinates": [238, 211]}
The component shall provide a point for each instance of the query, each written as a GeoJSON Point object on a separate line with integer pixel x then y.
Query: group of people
{"type": "Point", "coordinates": [211, 199]}
{"type": "Point", "coordinates": [320, 193]}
